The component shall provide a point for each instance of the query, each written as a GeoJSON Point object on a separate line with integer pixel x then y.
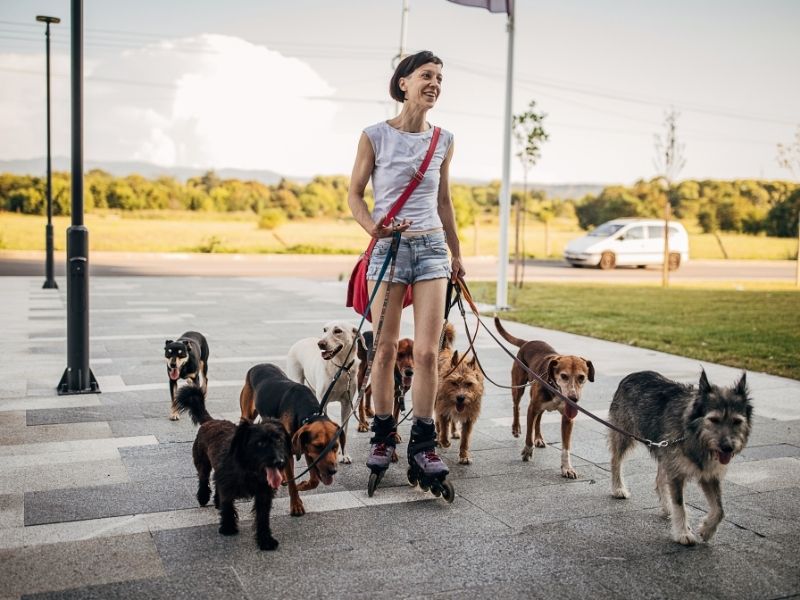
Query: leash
{"type": "Point", "coordinates": [557, 393]}
{"type": "Point", "coordinates": [389, 262]}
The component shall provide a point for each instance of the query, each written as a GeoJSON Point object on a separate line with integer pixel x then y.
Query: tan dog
{"type": "Point", "coordinates": [566, 373]}
{"type": "Point", "coordinates": [458, 397]}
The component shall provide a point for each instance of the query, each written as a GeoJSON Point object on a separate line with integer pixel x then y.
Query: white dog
{"type": "Point", "coordinates": [315, 361]}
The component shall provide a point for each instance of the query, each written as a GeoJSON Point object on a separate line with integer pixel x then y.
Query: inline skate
{"type": "Point", "coordinates": [382, 448]}
{"type": "Point", "coordinates": [425, 467]}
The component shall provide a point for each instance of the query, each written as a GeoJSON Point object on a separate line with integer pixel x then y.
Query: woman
{"type": "Point", "coordinates": [390, 152]}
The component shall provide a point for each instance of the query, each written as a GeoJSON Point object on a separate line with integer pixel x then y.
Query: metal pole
{"type": "Point", "coordinates": [403, 34]}
{"type": "Point", "coordinates": [49, 282]}
{"type": "Point", "coordinates": [501, 302]}
{"type": "Point", "coordinates": [78, 377]}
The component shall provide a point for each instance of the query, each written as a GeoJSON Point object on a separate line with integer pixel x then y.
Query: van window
{"type": "Point", "coordinates": [605, 230]}
{"type": "Point", "coordinates": [657, 231]}
{"type": "Point", "coordinates": [634, 233]}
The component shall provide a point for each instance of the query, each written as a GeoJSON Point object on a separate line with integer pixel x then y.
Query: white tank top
{"type": "Point", "coordinates": [398, 154]}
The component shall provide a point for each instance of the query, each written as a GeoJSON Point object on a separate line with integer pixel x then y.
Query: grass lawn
{"type": "Point", "coordinates": [751, 329]}
{"type": "Point", "coordinates": [185, 231]}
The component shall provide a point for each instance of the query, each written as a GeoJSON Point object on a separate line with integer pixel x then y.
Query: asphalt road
{"type": "Point", "coordinates": [30, 263]}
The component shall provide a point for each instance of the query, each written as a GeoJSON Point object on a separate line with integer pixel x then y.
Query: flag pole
{"type": "Point", "coordinates": [501, 301]}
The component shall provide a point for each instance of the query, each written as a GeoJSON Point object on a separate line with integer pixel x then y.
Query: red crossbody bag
{"type": "Point", "coordinates": [357, 291]}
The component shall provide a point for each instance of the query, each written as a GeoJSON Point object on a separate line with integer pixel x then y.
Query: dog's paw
{"type": "Point", "coordinates": [297, 510]}
{"type": "Point", "coordinates": [455, 435]}
{"type": "Point", "coordinates": [621, 493]}
{"type": "Point", "coordinates": [465, 460]}
{"type": "Point", "coordinates": [706, 532]}
{"type": "Point", "coordinates": [685, 538]}
{"type": "Point", "coordinates": [394, 456]}
{"type": "Point", "coordinates": [228, 529]}
{"type": "Point", "coordinates": [444, 442]}
{"type": "Point", "coordinates": [569, 473]}
{"type": "Point", "coordinates": [174, 417]}
{"type": "Point", "coordinates": [362, 427]}
{"type": "Point", "coordinates": [269, 543]}
{"type": "Point", "coordinates": [516, 430]}
{"type": "Point", "coordinates": [203, 496]}
{"type": "Point", "coordinates": [345, 459]}
{"type": "Point", "coordinates": [539, 443]}
{"type": "Point", "coordinates": [527, 453]}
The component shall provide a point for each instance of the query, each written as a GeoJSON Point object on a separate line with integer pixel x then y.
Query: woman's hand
{"type": "Point", "coordinates": [379, 231]}
{"type": "Point", "coordinates": [457, 270]}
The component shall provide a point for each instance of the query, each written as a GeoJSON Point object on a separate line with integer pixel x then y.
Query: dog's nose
{"type": "Point", "coordinates": [460, 399]}
{"type": "Point", "coordinates": [321, 345]}
{"type": "Point", "coordinates": [408, 372]}
{"type": "Point", "coordinates": [332, 472]}
{"type": "Point", "coordinates": [280, 463]}
{"type": "Point", "coordinates": [573, 397]}
{"type": "Point", "coordinates": [726, 446]}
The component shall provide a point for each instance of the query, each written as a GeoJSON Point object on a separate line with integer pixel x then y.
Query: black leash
{"type": "Point", "coordinates": [391, 259]}
{"type": "Point", "coordinates": [557, 393]}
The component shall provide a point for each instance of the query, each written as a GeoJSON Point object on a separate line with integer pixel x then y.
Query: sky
{"type": "Point", "coordinates": [288, 85]}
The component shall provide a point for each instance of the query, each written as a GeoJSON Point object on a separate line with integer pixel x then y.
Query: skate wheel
{"type": "Point", "coordinates": [412, 480]}
{"type": "Point", "coordinates": [448, 493]}
{"type": "Point", "coordinates": [436, 491]}
{"type": "Point", "coordinates": [374, 479]}
{"type": "Point", "coordinates": [424, 486]}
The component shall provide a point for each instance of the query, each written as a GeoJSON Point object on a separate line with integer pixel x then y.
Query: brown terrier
{"type": "Point", "coordinates": [458, 397]}
{"type": "Point", "coordinates": [403, 374]}
{"type": "Point", "coordinates": [566, 373]}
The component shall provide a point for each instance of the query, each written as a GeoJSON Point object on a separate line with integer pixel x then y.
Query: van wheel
{"type": "Point", "coordinates": [607, 261]}
{"type": "Point", "coordinates": [674, 261]}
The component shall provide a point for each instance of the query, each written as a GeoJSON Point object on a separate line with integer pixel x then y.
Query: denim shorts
{"type": "Point", "coordinates": [419, 258]}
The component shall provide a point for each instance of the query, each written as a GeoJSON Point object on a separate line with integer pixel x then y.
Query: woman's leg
{"type": "Point", "coordinates": [429, 299]}
{"type": "Point", "coordinates": [382, 375]}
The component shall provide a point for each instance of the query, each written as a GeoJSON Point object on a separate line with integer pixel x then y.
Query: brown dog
{"type": "Point", "coordinates": [403, 374]}
{"type": "Point", "coordinates": [458, 397]}
{"type": "Point", "coordinates": [269, 392]}
{"type": "Point", "coordinates": [566, 373]}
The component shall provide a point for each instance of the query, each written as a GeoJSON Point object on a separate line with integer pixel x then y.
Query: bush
{"type": "Point", "coordinates": [271, 218]}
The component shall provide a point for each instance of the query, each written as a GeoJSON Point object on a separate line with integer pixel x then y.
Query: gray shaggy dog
{"type": "Point", "coordinates": [708, 424]}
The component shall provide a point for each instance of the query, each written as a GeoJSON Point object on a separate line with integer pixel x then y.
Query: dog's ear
{"type": "Point", "coordinates": [167, 343]}
{"type": "Point", "coordinates": [741, 385]}
{"type": "Point", "coordinates": [704, 386]}
{"type": "Point", "coordinates": [454, 359]}
{"type": "Point", "coordinates": [590, 366]}
{"type": "Point", "coordinates": [551, 369]}
{"type": "Point", "coordinates": [299, 440]}
{"type": "Point", "coordinates": [474, 361]}
{"type": "Point", "coordinates": [239, 441]}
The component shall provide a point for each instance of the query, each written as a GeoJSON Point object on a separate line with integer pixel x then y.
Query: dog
{"type": "Point", "coordinates": [269, 392]}
{"type": "Point", "coordinates": [403, 376]}
{"type": "Point", "coordinates": [246, 459]}
{"type": "Point", "coordinates": [187, 358]}
{"type": "Point", "coordinates": [566, 373]}
{"type": "Point", "coordinates": [706, 427]}
{"type": "Point", "coordinates": [315, 361]}
{"type": "Point", "coordinates": [458, 396]}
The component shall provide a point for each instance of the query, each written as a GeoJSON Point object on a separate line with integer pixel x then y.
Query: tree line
{"type": "Point", "coordinates": [747, 206]}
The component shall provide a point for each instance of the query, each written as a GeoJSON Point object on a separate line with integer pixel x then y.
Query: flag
{"type": "Point", "coordinates": [495, 6]}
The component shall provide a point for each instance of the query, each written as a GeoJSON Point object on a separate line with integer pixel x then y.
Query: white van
{"type": "Point", "coordinates": [637, 242]}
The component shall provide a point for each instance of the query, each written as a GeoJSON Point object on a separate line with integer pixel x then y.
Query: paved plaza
{"type": "Point", "coordinates": [97, 491]}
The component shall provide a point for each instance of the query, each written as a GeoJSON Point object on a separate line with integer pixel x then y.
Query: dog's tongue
{"type": "Point", "coordinates": [174, 374]}
{"type": "Point", "coordinates": [570, 410]}
{"type": "Point", "coordinates": [273, 477]}
{"type": "Point", "coordinates": [724, 457]}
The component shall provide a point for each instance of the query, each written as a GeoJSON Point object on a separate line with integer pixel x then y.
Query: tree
{"type": "Point", "coordinates": [669, 161]}
{"type": "Point", "coordinates": [529, 134]}
{"type": "Point", "coordinates": [789, 158]}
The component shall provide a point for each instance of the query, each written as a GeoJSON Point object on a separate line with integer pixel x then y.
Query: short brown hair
{"type": "Point", "coordinates": [408, 65]}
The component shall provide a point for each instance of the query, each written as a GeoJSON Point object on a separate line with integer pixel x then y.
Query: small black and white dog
{"type": "Point", "coordinates": [708, 424]}
{"type": "Point", "coordinates": [187, 358]}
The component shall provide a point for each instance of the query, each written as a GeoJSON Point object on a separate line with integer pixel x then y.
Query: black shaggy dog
{"type": "Point", "coordinates": [706, 426]}
{"type": "Point", "coordinates": [247, 461]}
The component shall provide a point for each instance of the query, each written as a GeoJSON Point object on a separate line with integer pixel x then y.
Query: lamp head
{"type": "Point", "coordinates": [44, 19]}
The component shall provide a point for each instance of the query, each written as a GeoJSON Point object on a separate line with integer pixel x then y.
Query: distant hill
{"type": "Point", "coordinates": [37, 166]}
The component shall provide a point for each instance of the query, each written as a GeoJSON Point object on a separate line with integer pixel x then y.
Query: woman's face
{"type": "Point", "coordinates": [423, 85]}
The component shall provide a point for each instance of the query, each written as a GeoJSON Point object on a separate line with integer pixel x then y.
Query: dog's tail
{"type": "Point", "coordinates": [448, 335]}
{"type": "Point", "coordinates": [191, 398]}
{"type": "Point", "coordinates": [510, 338]}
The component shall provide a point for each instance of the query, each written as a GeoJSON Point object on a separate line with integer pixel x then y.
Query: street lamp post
{"type": "Point", "coordinates": [49, 282]}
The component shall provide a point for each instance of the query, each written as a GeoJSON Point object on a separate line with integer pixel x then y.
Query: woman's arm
{"type": "Point", "coordinates": [362, 171]}
{"type": "Point", "coordinates": [447, 216]}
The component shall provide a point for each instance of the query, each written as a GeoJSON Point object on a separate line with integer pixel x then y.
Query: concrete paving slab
{"type": "Point", "coordinates": [36, 478]}
{"type": "Point", "coordinates": [767, 475]}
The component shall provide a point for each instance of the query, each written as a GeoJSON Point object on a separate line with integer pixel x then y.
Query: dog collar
{"type": "Point", "coordinates": [314, 417]}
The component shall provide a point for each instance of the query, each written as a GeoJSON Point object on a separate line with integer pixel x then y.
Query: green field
{"type": "Point", "coordinates": [708, 323]}
{"type": "Point", "coordinates": [184, 231]}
